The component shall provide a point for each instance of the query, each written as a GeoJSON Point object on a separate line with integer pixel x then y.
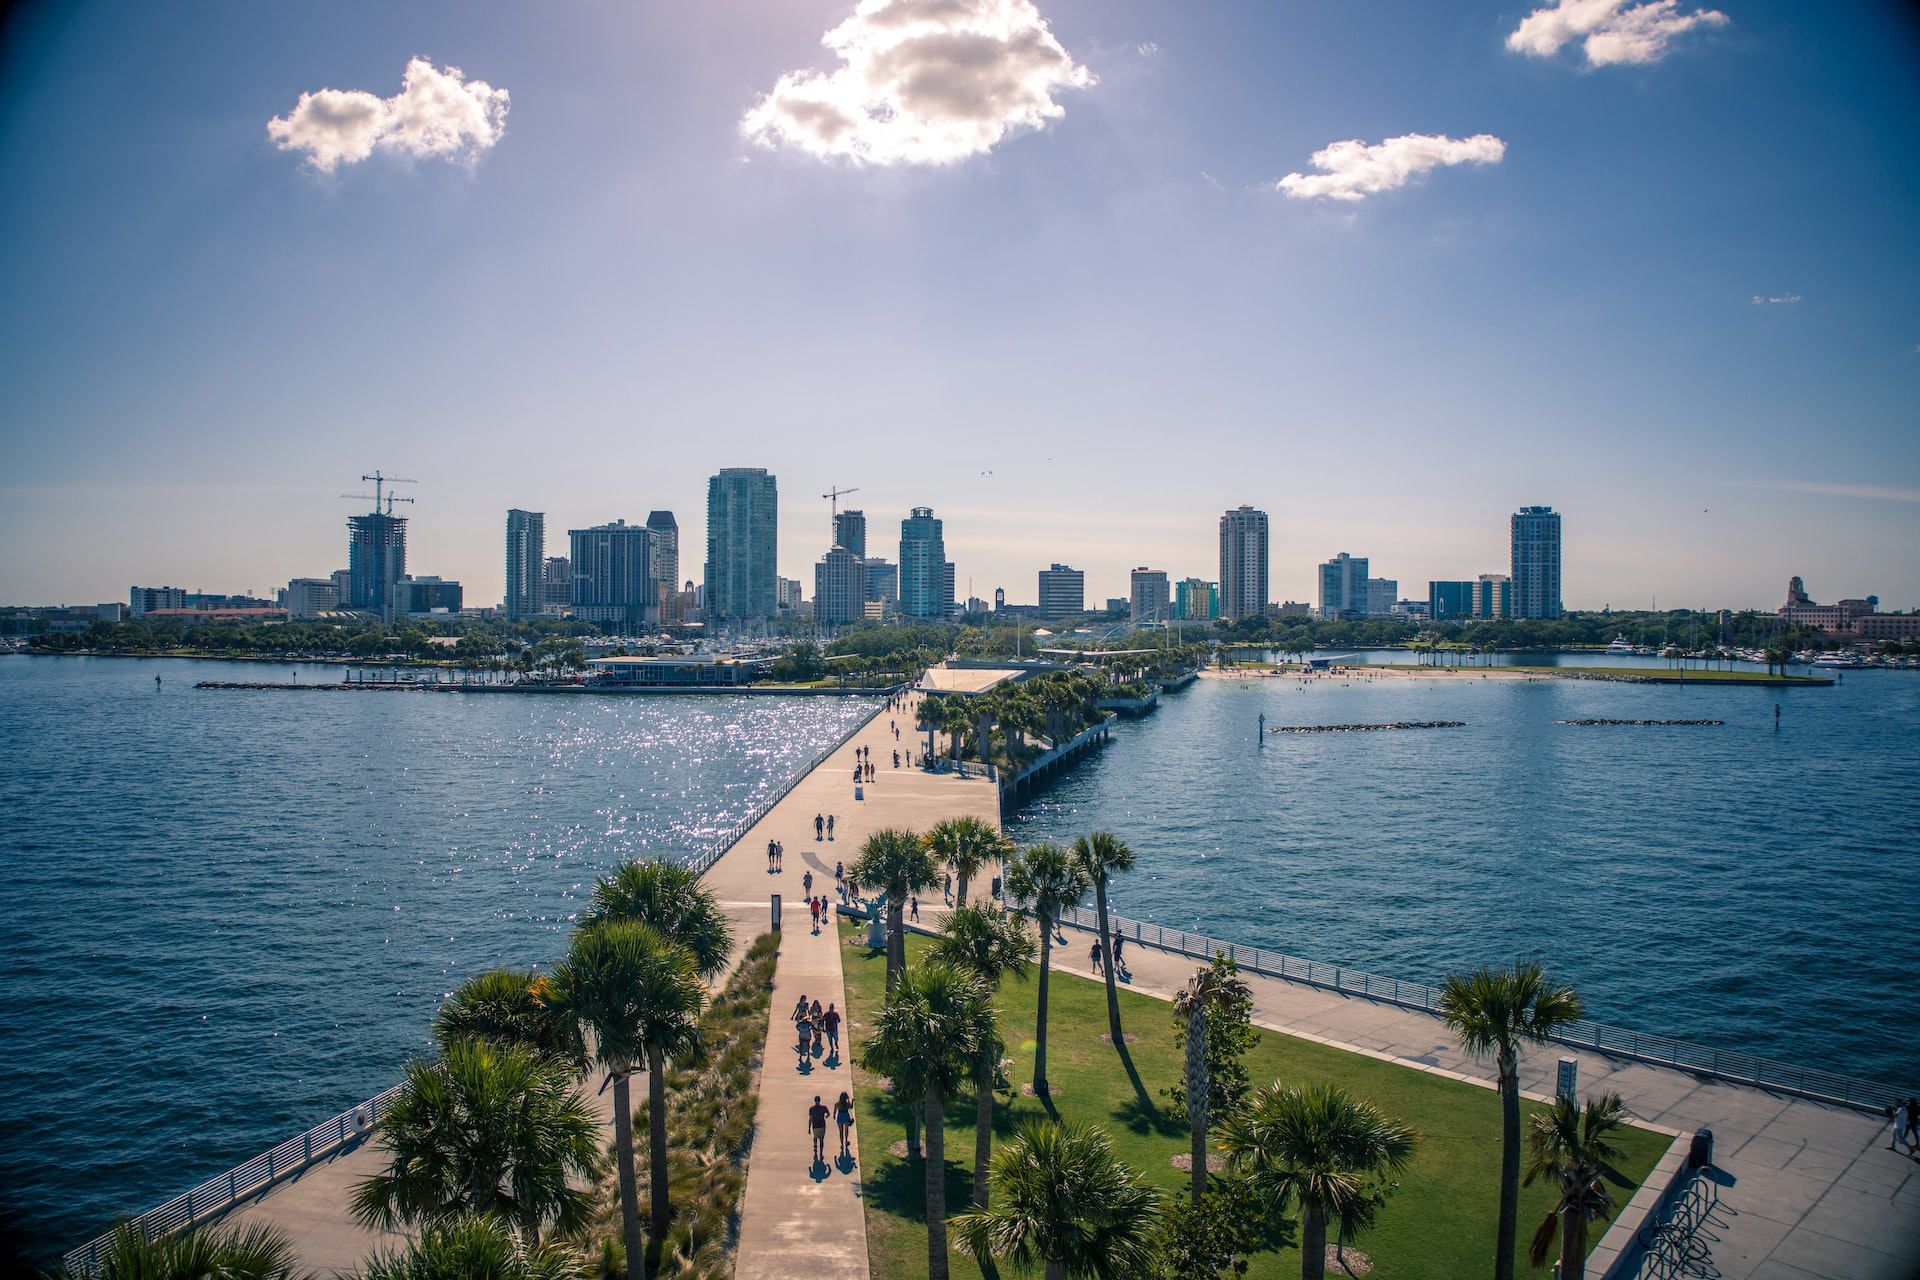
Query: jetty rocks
{"type": "Point", "coordinates": [1639, 721]}
{"type": "Point", "coordinates": [1367, 728]}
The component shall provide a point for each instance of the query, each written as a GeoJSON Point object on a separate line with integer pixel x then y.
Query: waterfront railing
{"type": "Point", "coordinates": [216, 1195]}
{"type": "Point", "coordinates": [1617, 1042]}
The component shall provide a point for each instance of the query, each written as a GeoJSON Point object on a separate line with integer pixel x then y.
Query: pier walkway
{"type": "Point", "coordinates": [1806, 1189]}
{"type": "Point", "coordinates": [803, 1220]}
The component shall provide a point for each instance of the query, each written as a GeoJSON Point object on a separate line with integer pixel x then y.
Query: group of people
{"type": "Point", "coordinates": [817, 1126]}
{"type": "Point", "coordinates": [776, 854]}
{"type": "Point", "coordinates": [811, 1023]}
{"type": "Point", "coordinates": [1098, 956]}
{"type": "Point", "coordinates": [822, 826]}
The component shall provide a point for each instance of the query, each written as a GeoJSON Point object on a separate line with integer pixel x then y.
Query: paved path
{"type": "Point", "coordinates": [1807, 1190]}
{"type": "Point", "coordinates": [804, 1220]}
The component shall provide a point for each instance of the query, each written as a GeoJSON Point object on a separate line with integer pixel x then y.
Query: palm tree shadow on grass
{"type": "Point", "coordinates": [899, 1188]}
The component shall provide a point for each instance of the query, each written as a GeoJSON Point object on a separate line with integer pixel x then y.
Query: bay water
{"type": "Point", "coordinates": [230, 915]}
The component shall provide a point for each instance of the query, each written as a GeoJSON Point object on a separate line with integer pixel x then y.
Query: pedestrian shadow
{"type": "Point", "coordinates": [832, 1061]}
{"type": "Point", "coordinates": [818, 1170]}
{"type": "Point", "coordinates": [844, 1163]}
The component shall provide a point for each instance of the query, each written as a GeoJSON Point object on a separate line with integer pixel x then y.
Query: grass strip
{"type": "Point", "coordinates": [1439, 1224]}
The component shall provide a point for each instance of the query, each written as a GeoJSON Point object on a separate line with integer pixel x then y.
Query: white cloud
{"type": "Point", "coordinates": [1148, 49]}
{"type": "Point", "coordinates": [1761, 300]}
{"type": "Point", "coordinates": [1880, 493]}
{"type": "Point", "coordinates": [434, 114]}
{"type": "Point", "coordinates": [1352, 170]}
{"type": "Point", "coordinates": [925, 82]}
{"type": "Point", "coordinates": [1608, 31]}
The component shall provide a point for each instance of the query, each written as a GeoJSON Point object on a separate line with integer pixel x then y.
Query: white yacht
{"type": "Point", "coordinates": [1620, 648]}
{"type": "Point", "coordinates": [1837, 660]}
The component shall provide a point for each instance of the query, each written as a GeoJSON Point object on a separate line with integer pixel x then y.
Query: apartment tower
{"type": "Point", "coordinates": [1243, 564]}
{"type": "Point", "coordinates": [1536, 563]}
{"type": "Point", "coordinates": [742, 541]}
{"type": "Point", "coordinates": [526, 563]}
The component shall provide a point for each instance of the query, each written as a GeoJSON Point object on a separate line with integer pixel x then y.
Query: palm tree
{"type": "Point", "coordinates": [936, 1026]}
{"type": "Point", "coordinates": [1065, 1200]}
{"type": "Point", "coordinates": [1207, 988]}
{"type": "Point", "coordinates": [1570, 1144]}
{"type": "Point", "coordinates": [895, 862]}
{"type": "Point", "coordinates": [638, 994]}
{"type": "Point", "coordinates": [508, 1007]}
{"type": "Point", "coordinates": [992, 944]}
{"type": "Point", "coordinates": [473, 1246]}
{"type": "Point", "coordinates": [1045, 879]}
{"type": "Point", "coordinates": [487, 1128]}
{"type": "Point", "coordinates": [1494, 1011]}
{"type": "Point", "coordinates": [239, 1253]}
{"type": "Point", "coordinates": [1100, 856]}
{"type": "Point", "coordinates": [966, 844]}
{"type": "Point", "coordinates": [671, 898]}
{"type": "Point", "coordinates": [1323, 1146]}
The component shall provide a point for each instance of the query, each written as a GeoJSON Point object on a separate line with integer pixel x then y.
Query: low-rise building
{"type": "Point", "coordinates": [425, 595]}
{"type": "Point", "coordinates": [145, 600]}
{"type": "Point", "coordinates": [678, 671]}
{"type": "Point", "coordinates": [310, 597]}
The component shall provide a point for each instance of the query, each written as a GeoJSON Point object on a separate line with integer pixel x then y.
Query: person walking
{"type": "Point", "coordinates": [817, 1128]}
{"type": "Point", "coordinates": [802, 1033]}
{"type": "Point", "coordinates": [1094, 955]}
{"type": "Point", "coordinates": [831, 1021]}
{"type": "Point", "coordinates": [770, 848]}
{"type": "Point", "coordinates": [843, 1119]}
{"type": "Point", "coordinates": [839, 872]}
{"type": "Point", "coordinates": [819, 823]}
{"type": "Point", "coordinates": [946, 887]}
{"type": "Point", "coordinates": [813, 906]}
{"type": "Point", "coordinates": [913, 909]}
{"type": "Point", "coordinates": [1119, 942]}
{"type": "Point", "coordinates": [829, 826]}
{"type": "Point", "coordinates": [779, 857]}
{"type": "Point", "coordinates": [806, 883]}
{"type": "Point", "coordinates": [896, 757]}
{"type": "Point", "coordinates": [1913, 1126]}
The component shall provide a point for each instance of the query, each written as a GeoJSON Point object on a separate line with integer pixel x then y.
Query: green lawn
{"type": "Point", "coordinates": [1439, 1224]}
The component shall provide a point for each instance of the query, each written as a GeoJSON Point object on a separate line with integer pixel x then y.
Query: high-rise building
{"type": "Point", "coordinates": [666, 561]}
{"type": "Point", "coordinates": [1449, 600]}
{"type": "Point", "coordinates": [742, 543]}
{"type": "Point", "coordinates": [839, 588]}
{"type": "Point", "coordinates": [556, 588]}
{"type": "Point", "coordinates": [786, 596]}
{"type": "Point", "coordinates": [613, 576]}
{"type": "Point", "coordinates": [1536, 563]}
{"type": "Point", "coordinates": [1196, 600]}
{"type": "Point", "coordinates": [376, 559]}
{"type": "Point", "coordinates": [526, 563]}
{"type": "Point", "coordinates": [310, 597]}
{"type": "Point", "coordinates": [1343, 587]}
{"type": "Point", "coordinates": [850, 531]}
{"type": "Point", "coordinates": [883, 582]}
{"type": "Point", "coordinates": [949, 585]}
{"type": "Point", "coordinates": [926, 584]}
{"type": "Point", "coordinates": [142, 601]}
{"type": "Point", "coordinates": [1381, 594]}
{"type": "Point", "coordinates": [1063, 592]}
{"type": "Point", "coordinates": [1493, 596]}
{"type": "Point", "coordinates": [1243, 564]}
{"type": "Point", "coordinates": [1151, 601]}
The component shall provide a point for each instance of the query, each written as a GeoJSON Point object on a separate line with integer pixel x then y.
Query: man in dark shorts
{"type": "Point", "coordinates": [817, 1126]}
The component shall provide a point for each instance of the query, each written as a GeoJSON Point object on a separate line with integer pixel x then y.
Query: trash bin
{"type": "Point", "coordinates": [1700, 1154]}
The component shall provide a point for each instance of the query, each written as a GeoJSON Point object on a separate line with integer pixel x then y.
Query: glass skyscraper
{"type": "Point", "coordinates": [742, 541]}
{"type": "Point", "coordinates": [926, 589]}
{"type": "Point", "coordinates": [526, 563]}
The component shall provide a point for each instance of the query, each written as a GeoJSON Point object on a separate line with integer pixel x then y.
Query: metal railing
{"type": "Point", "coordinates": [217, 1195]}
{"type": "Point", "coordinates": [1618, 1042]}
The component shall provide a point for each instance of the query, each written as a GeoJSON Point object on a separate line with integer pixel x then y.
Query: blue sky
{"type": "Point", "coordinates": [602, 289]}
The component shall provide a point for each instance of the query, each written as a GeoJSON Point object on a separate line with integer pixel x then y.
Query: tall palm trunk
{"type": "Point", "coordinates": [960, 890]}
{"type": "Point", "coordinates": [1040, 1029]}
{"type": "Point", "coordinates": [982, 1138]}
{"type": "Point", "coordinates": [1053, 1271]}
{"type": "Point", "coordinates": [1573, 1244]}
{"type": "Point", "coordinates": [1509, 1060]}
{"type": "Point", "coordinates": [936, 1186]}
{"type": "Point", "coordinates": [629, 1185]}
{"type": "Point", "coordinates": [896, 939]}
{"type": "Point", "coordinates": [1313, 1241]}
{"type": "Point", "coordinates": [657, 1141]}
{"type": "Point", "coordinates": [1197, 1097]}
{"type": "Point", "coordinates": [1106, 954]}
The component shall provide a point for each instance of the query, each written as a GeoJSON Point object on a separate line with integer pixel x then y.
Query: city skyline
{"type": "Point", "coordinates": [1235, 250]}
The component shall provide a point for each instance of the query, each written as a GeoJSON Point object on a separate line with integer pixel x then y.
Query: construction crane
{"type": "Point", "coordinates": [833, 496]}
{"type": "Point", "coordinates": [379, 481]}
